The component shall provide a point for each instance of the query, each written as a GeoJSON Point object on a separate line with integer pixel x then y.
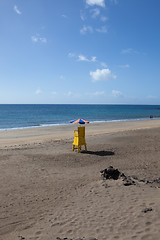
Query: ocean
{"type": "Point", "coordinates": [14, 116]}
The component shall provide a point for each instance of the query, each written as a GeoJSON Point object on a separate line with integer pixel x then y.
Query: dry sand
{"type": "Point", "coordinates": [49, 192]}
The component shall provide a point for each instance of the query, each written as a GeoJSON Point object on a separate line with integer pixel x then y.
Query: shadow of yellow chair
{"type": "Point", "coordinates": [79, 139]}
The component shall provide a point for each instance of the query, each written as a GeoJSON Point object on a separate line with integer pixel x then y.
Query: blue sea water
{"type": "Point", "coordinates": [33, 115]}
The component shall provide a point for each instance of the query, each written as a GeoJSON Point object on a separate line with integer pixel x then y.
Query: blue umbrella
{"type": "Point", "coordinates": [80, 121]}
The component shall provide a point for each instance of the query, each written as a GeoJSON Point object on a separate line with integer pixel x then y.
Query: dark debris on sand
{"type": "Point", "coordinates": [58, 238]}
{"type": "Point", "coordinates": [115, 174]}
{"type": "Point", "coordinates": [147, 210]}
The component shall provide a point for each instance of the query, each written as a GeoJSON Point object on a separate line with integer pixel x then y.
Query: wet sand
{"type": "Point", "coordinates": [49, 192]}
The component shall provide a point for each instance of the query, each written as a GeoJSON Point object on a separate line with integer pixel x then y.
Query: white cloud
{"type": "Point", "coordinates": [43, 40]}
{"type": "Point", "coordinates": [17, 10]}
{"type": "Point", "coordinates": [102, 75]}
{"type": "Point", "coordinates": [114, 1]}
{"type": "Point", "coordinates": [36, 39]}
{"type": "Point", "coordinates": [116, 93]}
{"type": "Point", "coordinates": [103, 29]}
{"type": "Point", "coordinates": [82, 16]}
{"type": "Point", "coordinates": [71, 55]}
{"type": "Point", "coordinates": [93, 59]}
{"type": "Point", "coordinates": [69, 94]}
{"type": "Point", "coordinates": [83, 58]}
{"type": "Point", "coordinates": [86, 29]}
{"type": "Point", "coordinates": [103, 64]}
{"type": "Point", "coordinates": [64, 16]}
{"type": "Point", "coordinates": [53, 93]}
{"type": "Point", "coordinates": [95, 12]}
{"type": "Point", "coordinates": [100, 3]}
{"type": "Point", "coordinates": [94, 94]}
{"type": "Point", "coordinates": [62, 77]}
{"type": "Point", "coordinates": [104, 19]}
{"type": "Point", "coordinates": [152, 97]}
{"type": "Point", "coordinates": [97, 93]}
{"type": "Point", "coordinates": [38, 91]}
{"type": "Point", "coordinates": [125, 66]}
{"type": "Point", "coordinates": [129, 51]}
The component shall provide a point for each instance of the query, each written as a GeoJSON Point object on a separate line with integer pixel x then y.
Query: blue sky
{"type": "Point", "coordinates": [80, 51]}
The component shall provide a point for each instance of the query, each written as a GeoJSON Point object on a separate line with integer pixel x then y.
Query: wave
{"type": "Point", "coordinates": [65, 124]}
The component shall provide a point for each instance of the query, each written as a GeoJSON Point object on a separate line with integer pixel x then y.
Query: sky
{"type": "Point", "coordinates": [79, 51]}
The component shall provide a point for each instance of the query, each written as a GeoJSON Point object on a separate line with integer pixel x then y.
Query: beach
{"type": "Point", "coordinates": [49, 192]}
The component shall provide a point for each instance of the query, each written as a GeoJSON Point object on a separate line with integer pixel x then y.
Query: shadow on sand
{"type": "Point", "coordinates": [99, 153]}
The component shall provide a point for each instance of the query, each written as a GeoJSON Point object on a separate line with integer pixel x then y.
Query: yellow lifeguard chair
{"type": "Point", "coordinates": [79, 139]}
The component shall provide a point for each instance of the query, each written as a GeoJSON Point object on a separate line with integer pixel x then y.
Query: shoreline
{"type": "Point", "coordinates": [68, 124]}
{"type": "Point", "coordinates": [60, 132]}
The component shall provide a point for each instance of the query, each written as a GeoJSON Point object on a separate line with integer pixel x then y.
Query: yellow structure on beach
{"type": "Point", "coordinates": [79, 139]}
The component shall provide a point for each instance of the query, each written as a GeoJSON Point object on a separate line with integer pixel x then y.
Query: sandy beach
{"type": "Point", "coordinates": [49, 192]}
